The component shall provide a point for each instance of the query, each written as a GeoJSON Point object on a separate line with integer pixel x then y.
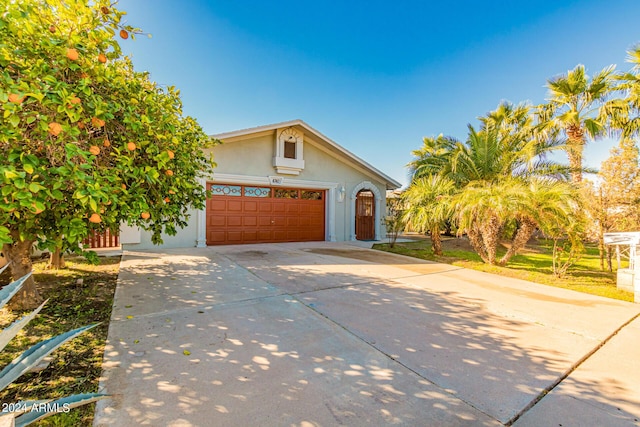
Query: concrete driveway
{"type": "Point", "coordinates": [324, 334]}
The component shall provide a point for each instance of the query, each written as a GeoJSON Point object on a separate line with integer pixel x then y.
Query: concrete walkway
{"type": "Point", "coordinates": [324, 334]}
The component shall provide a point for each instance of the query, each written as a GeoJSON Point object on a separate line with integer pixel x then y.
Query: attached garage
{"type": "Point", "coordinates": [284, 182]}
{"type": "Point", "coordinates": [238, 214]}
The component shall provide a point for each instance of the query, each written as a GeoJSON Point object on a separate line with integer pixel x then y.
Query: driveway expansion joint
{"type": "Point", "coordinates": [564, 376]}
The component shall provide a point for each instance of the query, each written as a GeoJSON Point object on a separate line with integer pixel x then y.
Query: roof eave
{"type": "Point", "coordinates": [391, 184]}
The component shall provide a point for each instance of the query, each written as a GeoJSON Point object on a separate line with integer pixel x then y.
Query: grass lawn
{"type": "Point", "coordinates": [534, 265]}
{"type": "Point", "coordinates": [79, 295]}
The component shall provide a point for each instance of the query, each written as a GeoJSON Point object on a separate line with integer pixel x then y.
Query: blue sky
{"type": "Point", "coordinates": [374, 76]}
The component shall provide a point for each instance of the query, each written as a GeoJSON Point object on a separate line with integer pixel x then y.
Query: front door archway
{"type": "Point", "coordinates": [365, 215]}
{"type": "Point", "coordinates": [378, 210]}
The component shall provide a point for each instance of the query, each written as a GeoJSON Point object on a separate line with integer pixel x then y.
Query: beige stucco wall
{"type": "Point", "coordinates": [253, 158]}
{"type": "Point", "coordinates": [185, 238]}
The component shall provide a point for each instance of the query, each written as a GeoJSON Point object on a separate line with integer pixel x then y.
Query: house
{"type": "Point", "coordinates": [284, 182]}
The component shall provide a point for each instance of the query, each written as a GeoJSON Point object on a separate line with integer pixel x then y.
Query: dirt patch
{"type": "Point", "coordinates": [79, 295]}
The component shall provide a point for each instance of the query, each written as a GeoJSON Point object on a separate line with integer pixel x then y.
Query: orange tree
{"type": "Point", "coordinates": [86, 142]}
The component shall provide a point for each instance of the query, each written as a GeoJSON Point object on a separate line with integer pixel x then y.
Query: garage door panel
{"type": "Point", "coordinates": [234, 221]}
{"type": "Point", "coordinates": [234, 236]}
{"type": "Point", "coordinates": [250, 221]}
{"type": "Point", "coordinates": [237, 218]}
{"type": "Point", "coordinates": [250, 236]}
{"type": "Point", "coordinates": [279, 235]}
{"type": "Point", "coordinates": [279, 207]}
{"type": "Point", "coordinates": [216, 220]}
{"type": "Point", "coordinates": [234, 206]}
{"type": "Point", "coordinates": [265, 206]}
{"type": "Point", "coordinates": [279, 221]}
{"type": "Point", "coordinates": [216, 236]}
{"type": "Point", "coordinates": [264, 221]}
{"type": "Point", "coordinates": [264, 235]}
{"type": "Point", "coordinates": [218, 205]}
{"type": "Point", "coordinates": [250, 206]}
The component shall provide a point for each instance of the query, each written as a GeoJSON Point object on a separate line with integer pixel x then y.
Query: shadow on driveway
{"type": "Point", "coordinates": [298, 335]}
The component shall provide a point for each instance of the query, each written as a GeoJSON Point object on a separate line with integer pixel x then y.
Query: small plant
{"type": "Point", "coordinates": [394, 220]}
{"type": "Point", "coordinates": [25, 413]}
{"type": "Point", "coordinates": [566, 252]}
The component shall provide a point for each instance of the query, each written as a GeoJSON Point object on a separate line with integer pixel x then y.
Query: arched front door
{"type": "Point", "coordinates": [365, 215]}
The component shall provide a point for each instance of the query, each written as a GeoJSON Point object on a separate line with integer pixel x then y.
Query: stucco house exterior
{"type": "Point", "coordinates": [283, 182]}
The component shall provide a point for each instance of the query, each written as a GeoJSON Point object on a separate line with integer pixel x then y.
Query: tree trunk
{"type": "Point", "coordinates": [522, 235]}
{"type": "Point", "coordinates": [448, 231]}
{"type": "Point", "coordinates": [574, 149]}
{"type": "Point", "coordinates": [19, 255]}
{"type": "Point", "coordinates": [476, 241]}
{"type": "Point", "coordinates": [436, 241]}
{"type": "Point", "coordinates": [56, 260]}
{"type": "Point", "coordinates": [490, 232]}
{"type": "Point", "coordinates": [601, 249]}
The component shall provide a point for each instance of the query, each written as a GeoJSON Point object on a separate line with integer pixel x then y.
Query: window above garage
{"type": "Point", "coordinates": [288, 159]}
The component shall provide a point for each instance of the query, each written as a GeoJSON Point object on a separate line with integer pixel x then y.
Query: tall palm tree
{"type": "Point", "coordinates": [426, 204]}
{"type": "Point", "coordinates": [624, 112]}
{"type": "Point", "coordinates": [573, 109]}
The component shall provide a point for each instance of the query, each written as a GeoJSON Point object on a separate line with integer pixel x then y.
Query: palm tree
{"type": "Point", "coordinates": [433, 157]}
{"type": "Point", "coordinates": [624, 112]}
{"type": "Point", "coordinates": [427, 207]}
{"type": "Point", "coordinates": [503, 182]}
{"type": "Point", "coordinates": [574, 110]}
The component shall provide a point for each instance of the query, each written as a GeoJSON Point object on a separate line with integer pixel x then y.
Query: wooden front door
{"type": "Point", "coordinates": [365, 216]}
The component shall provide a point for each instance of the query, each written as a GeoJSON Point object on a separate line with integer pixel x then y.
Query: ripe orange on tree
{"type": "Point", "coordinates": [131, 146]}
{"type": "Point", "coordinates": [96, 122]}
{"type": "Point", "coordinates": [15, 98]}
{"type": "Point", "coordinates": [55, 128]}
{"type": "Point", "coordinates": [145, 215]}
{"type": "Point", "coordinates": [171, 154]}
{"type": "Point", "coordinates": [168, 172]}
{"type": "Point", "coordinates": [94, 149]}
{"type": "Point", "coordinates": [102, 58]}
{"type": "Point", "coordinates": [124, 34]}
{"type": "Point", "coordinates": [95, 218]}
{"type": "Point", "coordinates": [72, 54]}
{"type": "Point", "coordinates": [106, 143]}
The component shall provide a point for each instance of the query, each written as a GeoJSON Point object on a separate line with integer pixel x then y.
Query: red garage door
{"type": "Point", "coordinates": [239, 214]}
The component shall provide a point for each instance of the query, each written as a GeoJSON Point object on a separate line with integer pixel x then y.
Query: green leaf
{"type": "Point", "coordinates": [13, 330]}
{"type": "Point", "coordinates": [10, 290]}
{"type": "Point", "coordinates": [28, 169]}
{"type": "Point", "coordinates": [35, 354]}
{"type": "Point", "coordinates": [14, 120]}
{"type": "Point", "coordinates": [37, 412]}
{"type": "Point", "coordinates": [34, 187]}
{"type": "Point", "coordinates": [8, 174]}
